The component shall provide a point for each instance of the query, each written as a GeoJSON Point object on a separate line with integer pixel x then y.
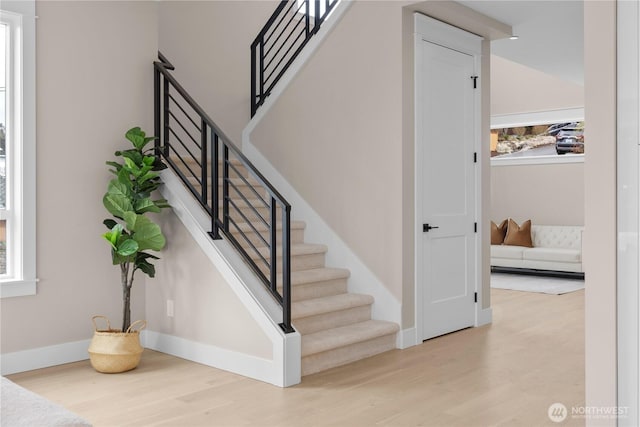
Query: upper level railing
{"type": "Point", "coordinates": [281, 40]}
{"type": "Point", "coordinates": [244, 207]}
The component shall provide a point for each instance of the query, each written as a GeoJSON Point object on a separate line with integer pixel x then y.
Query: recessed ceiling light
{"type": "Point", "coordinates": [514, 37]}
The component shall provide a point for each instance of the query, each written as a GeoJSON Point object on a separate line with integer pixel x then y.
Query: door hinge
{"type": "Point", "coordinates": [475, 157]}
{"type": "Point", "coordinates": [475, 297]}
{"type": "Point", "coordinates": [475, 227]}
{"type": "Point", "coordinates": [475, 81]}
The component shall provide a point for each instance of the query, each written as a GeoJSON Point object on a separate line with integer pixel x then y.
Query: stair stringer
{"type": "Point", "coordinates": [284, 369]}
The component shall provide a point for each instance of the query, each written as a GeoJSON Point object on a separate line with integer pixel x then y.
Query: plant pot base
{"type": "Point", "coordinates": [112, 351]}
{"type": "Point", "coordinates": [114, 363]}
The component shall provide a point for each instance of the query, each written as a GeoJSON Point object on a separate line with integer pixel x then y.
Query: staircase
{"type": "Point", "coordinates": [335, 325]}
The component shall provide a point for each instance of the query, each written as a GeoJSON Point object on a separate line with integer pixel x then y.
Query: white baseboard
{"type": "Point", "coordinates": [239, 363]}
{"type": "Point", "coordinates": [484, 316]}
{"type": "Point", "coordinates": [285, 368]}
{"type": "Point", "coordinates": [407, 338]}
{"type": "Point", "coordinates": [44, 357]}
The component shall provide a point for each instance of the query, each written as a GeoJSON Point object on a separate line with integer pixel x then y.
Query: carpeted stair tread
{"type": "Point", "coordinates": [346, 335]}
{"type": "Point", "coordinates": [333, 303]}
{"type": "Point", "coordinates": [260, 226]}
{"type": "Point", "coordinates": [191, 161]}
{"type": "Point", "coordinates": [318, 275]}
{"type": "Point", "coordinates": [239, 182]}
{"type": "Point", "coordinates": [296, 250]}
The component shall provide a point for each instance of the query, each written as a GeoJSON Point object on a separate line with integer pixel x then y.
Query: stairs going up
{"type": "Point", "coordinates": [335, 325]}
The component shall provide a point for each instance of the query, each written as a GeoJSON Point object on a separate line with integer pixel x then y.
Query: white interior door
{"type": "Point", "coordinates": [446, 181]}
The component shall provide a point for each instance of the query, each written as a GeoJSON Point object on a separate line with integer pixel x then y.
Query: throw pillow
{"type": "Point", "coordinates": [519, 235]}
{"type": "Point", "coordinates": [498, 232]}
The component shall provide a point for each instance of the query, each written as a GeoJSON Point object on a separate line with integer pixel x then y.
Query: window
{"type": "Point", "coordinates": [17, 149]}
{"type": "Point", "coordinates": [538, 138]}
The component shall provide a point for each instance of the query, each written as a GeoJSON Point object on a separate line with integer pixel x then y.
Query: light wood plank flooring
{"type": "Point", "coordinates": [505, 374]}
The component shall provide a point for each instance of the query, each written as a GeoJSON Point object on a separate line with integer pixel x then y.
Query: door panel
{"type": "Point", "coordinates": [448, 189]}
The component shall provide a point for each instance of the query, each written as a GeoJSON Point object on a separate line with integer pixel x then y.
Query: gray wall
{"type": "Point", "coordinates": [549, 194]}
{"type": "Point", "coordinates": [93, 83]}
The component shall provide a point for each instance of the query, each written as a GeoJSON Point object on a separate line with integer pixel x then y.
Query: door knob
{"type": "Point", "coordinates": [427, 227]}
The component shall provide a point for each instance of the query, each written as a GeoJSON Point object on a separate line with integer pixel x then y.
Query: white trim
{"type": "Point", "coordinates": [537, 160]}
{"type": "Point", "coordinates": [44, 357]}
{"type": "Point", "coordinates": [434, 31]}
{"type": "Point", "coordinates": [446, 35]}
{"type": "Point", "coordinates": [532, 118]}
{"type": "Point", "coordinates": [286, 369]}
{"type": "Point", "coordinates": [17, 288]}
{"type": "Point", "coordinates": [362, 279]}
{"type": "Point", "coordinates": [336, 15]}
{"type": "Point", "coordinates": [239, 363]}
{"type": "Point", "coordinates": [628, 210]}
{"type": "Point", "coordinates": [407, 338]}
{"type": "Point", "coordinates": [483, 316]}
{"type": "Point", "coordinates": [23, 278]}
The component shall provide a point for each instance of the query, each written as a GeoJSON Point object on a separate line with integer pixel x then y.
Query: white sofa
{"type": "Point", "coordinates": [555, 248]}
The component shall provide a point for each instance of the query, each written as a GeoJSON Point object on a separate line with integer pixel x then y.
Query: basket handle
{"type": "Point", "coordinates": [106, 319]}
{"type": "Point", "coordinates": [132, 329]}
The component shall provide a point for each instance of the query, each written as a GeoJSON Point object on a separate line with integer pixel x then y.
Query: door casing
{"type": "Point", "coordinates": [434, 31]}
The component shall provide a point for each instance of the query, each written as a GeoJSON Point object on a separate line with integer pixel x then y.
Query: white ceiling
{"type": "Point", "coordinates": [550, 34]}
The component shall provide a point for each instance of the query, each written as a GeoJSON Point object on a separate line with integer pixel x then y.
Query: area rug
{"type": "Point", "coordinates": [545, 285]}
{"type": "Point", "coordinates": [20, 407]}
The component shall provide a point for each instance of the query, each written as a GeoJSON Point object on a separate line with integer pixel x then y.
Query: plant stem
{"type": "Point", "coordinates": [126, 295]}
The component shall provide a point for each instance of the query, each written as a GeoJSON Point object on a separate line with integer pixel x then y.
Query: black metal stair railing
{"type": "Point", "coordinates": [244, 207]}
{"type": "Point", "coordinates": [280, 42]}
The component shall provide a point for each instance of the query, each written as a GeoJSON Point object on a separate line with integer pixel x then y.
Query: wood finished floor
{"type": "Point", "coordinates": [504, 374]}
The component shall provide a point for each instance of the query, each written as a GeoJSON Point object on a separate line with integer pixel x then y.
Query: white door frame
{"type": "Point", "coordinates": [434, 31]}
{"type": "Point", "coordinates": [628, 211]}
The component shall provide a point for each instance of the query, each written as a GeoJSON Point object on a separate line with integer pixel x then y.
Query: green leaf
{"type": "Point", "coordinates": [149, 160]}
{"type": "Point", "coordinates": [118, 198]}
{"type": "Point", "coordinates": [147, 176]}
{"type": "Point", "coordinates": [133, 155]}
{"type": "Point", "coordinates": [116, 165]}
{"type": "Point", "coordinates": [130, 218]}
{"type": "Point", "coordinates": [127, 248]}
{"type": "Point", "coordinates": [138, 137]}
{"type": "Point", "coordinates": [162, 203]}
{"type": "Point", "coordinates": [117, 259]}
{"type": "Point", "coordinates": [112, 236]}
{"type": "Point", "coordinates": [145, 255]}
{"type": "Point", "coordinates": [145, 205]}
{"type": "Point", "coordinates": [146, 233]}
{"type": "Point", "coordinates": [109, 223]}
{"type": "Point", "coordinates": [132, 167]}
{"type": "Point", "coordinates": [146, 267]}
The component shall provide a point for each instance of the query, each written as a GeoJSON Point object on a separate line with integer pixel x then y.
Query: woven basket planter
{"type": "Point", "coordinates": [112, 351]}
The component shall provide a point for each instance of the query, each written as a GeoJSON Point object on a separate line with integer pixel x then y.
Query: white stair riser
{"type": "Point", "coordinates": [341, 356]}
{"type": "Point", "coordinates": [195, 169]}
{"type": "Point", "coordinates": [333, 319]}
{"type": "Point", "coordinates": [298, 262]}
{"type": "Point", "coordinates": [245, 190]}
{"type": "Point", "coordinates": [319, 289]}
{"type": "Point", "coordinates": [297, 236]}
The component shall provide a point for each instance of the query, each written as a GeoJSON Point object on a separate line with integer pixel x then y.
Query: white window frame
{"type": "Point", "coordinates": [536, 118]}
{"type": "Point", "coordinates": [20, 279]}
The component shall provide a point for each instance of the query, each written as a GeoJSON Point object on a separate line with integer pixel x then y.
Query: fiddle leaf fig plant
{"type": "Point", "coordinates": [129, 199]}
